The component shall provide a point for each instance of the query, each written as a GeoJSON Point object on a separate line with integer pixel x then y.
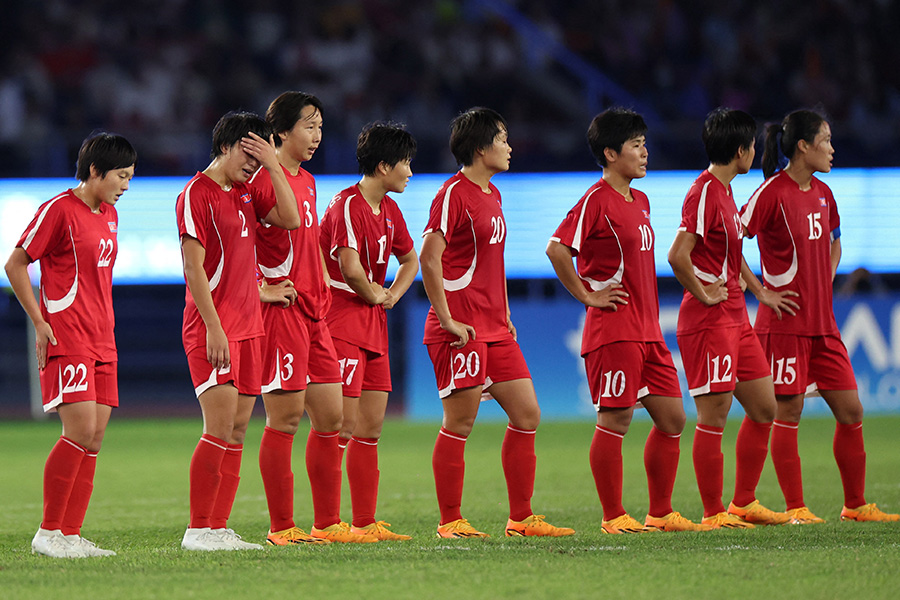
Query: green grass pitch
{"type": "Point", "coordinates": [140, 510]}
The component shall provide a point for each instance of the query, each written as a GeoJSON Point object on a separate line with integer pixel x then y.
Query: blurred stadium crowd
{"type": "Point", "coordinates": [161, 72]}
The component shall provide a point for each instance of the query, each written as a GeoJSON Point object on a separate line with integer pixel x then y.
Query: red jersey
{"type": "Point", "coordinates": [613, 243]}
{"type": "Point", "coordinates": [225, 225]}
{"type": "Point", "coordinates": [472, 223]}
{"type": "Point", "coordinates": [349, 222]}
{"type": "Point", "coordinates": [709, 211]}
{"type": "Point", "coordinates": [77, 250]}
{"type": "Point", "coordinates": [293, 254]}
{"type": "Point", "coordinates": [796, 229]}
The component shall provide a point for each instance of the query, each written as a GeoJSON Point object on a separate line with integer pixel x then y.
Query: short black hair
{"type": "Point", "coordinates": [611, 129]}
{"type": "Point", "coordinates": [284, 111]}
{"type": "Point", "coordinates": [106, 152]}
{"type": "Point", "coordinates": [726, 131]}
{"type": "Point", "coordinates": [383, 142]}
{"type": "Point", "coordinates": [474, 130]}
{"type": "Point", "coordinates": [236, 125]}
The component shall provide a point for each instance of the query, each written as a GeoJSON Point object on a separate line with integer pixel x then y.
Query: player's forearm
{"type": "Point", "coordinates": [433, 280]}
{"type": "Point", "coordinates": [406, 274]}
{"type": "Point", "coordinates": [561, 259]}
{"type": "Point", "coordinates": [17, 273]}
{"type": "Point", "coordinates": [835, 257]}
{"type": "Point", "coordinates": [285, 213]}
{"type": "Point", "coordinates": [754, 285]}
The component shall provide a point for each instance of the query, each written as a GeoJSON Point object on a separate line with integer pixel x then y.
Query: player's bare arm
{"type": "Point", "coordinates": [777, 301]}
{"type": "Point", "coordinates": [17, 273]}
{"type": "Point", "coordinates": [433, 278]}
{"type": "Point", "coordinates": [217, 352]}
{"type": "Point", "coordinates": [683, 268]}
{"type": "Point", "coordinates": [835, 257]}
{"type": "Point", "coordinates": [406, 273]}
{"type": "Point", "coordinates": [561, 258]}
{"type": "Point", "coordinates": [355, 276]}
{"type": "Point", "coordinates": [285, 213]}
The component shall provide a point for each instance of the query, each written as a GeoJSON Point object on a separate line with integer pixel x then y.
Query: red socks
{"type": "Point", "coordinates": [449, 466]}
{"type": "Point", "coordinates": [850, 454]}
{"type": "Point", "coordinates": [708, 467]}
{"type": "Point", "coordinates": [205, 476]}
{"type": "Point", "coordinates": [363, 474]}
{"type": "Point", "coordinates": [323, 464]}
{"type": "Point", "coordinates": [60, 473]}
{"type": "Point", "coordinates": [606, 466]}
{"type": "Point", "coordinates": [519, 463]}
{"type": "Point", "coordinates": [80, 496]}
{"type": "Point", "coordinates": [228, 484]}
{"type": "Point", "coordinates": [278, 478]}
{"type": "Point", "coordinates": [661, 453]}
{"type": "Point", "coordinates": [751, 449]}
{"type": "Point", "coordinates": [786, 458]}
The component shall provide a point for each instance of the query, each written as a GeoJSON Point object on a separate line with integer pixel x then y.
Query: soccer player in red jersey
{"type": "Point", "coordinates": [626, 359]}
{"type": "Point", "coordinates": [796, 220]}
{"type": "Point", "coordinates": [300, 366]}
{"type": "Point", "coordinates": [361, 228]}
{"type": "Point", "coordinates": [470, 337]}
{"type": "Point", "coordinates": [74, 236]}
{"type": "Point", "coordinates": [721, 353]}
{"type": "Point", "coordinates": [217, 214]}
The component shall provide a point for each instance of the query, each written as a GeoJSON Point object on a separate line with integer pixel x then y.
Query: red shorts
{"type": "Point", "coordinates": [804, 364]}
{"type": "Point", "coordinates": [362, 369]}
{"type": "Point", "coordinates": [476, 363]}
{"type": "Point", "coordinates": [244, 370]}
{"type": "Point", "coordinates": [296, 351]}
{"type": "Point", "coordinates": [716, 359]}
{"type": "Point", "coordinates": [68, 379]}
{"type": "Point", "coordinates": [621, 373]}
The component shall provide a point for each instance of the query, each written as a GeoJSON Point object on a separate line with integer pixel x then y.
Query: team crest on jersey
{"type": "Point", "coordinates": [311, 191]}
{"type": "Point", "coordinates": [646, 213]}
{"type": "Point", "coordinates": [246, 198]}
{"type": "Point", "coordinates": [823, 202]}
{"type": "Point", "coordinates": [112, 226]}
{"type": "Point", "coordinates": [389, 223]}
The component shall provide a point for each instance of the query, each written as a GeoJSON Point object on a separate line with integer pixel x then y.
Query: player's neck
{"type": "Point", "coordinates": [724, 173]}
{"type": "Point", "coordinates": [801, 175]}
{"type": "Point", "coordinates": [287, 161]}
{"type": "Point", "coordinates": [618, 182]}
{"type": "Point", "coordinates": [480, 175]}
{"type": "Point", "coordinates": [372, 192]}
{"type": "Point", "coordinates": [83, 193]}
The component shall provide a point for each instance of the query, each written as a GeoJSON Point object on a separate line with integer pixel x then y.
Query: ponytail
{"type": "Point", "coordinates": [771, 159]}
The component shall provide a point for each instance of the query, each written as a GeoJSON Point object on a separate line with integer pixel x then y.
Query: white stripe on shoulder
{"type": "Point", "coordinates": [190, 227]}
{"type": "Point", "coordinates": [751, 203]}
{"type": "Point", "coordinates": [445, 206]}
{"type": "Point", "coordinates": [352, 242]}
{"type": "Point", "coordinates": [30, 237]}
{"type": "Point", "coordinates": [701, 210]}
{"type": "Point", "coordinates": [579, 229]}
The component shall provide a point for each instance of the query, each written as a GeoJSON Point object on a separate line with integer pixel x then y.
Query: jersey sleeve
{"type": "Point", "coordinates": [44, 231]}
{"type": "Point", "coordinates": [403, 242]}
{"type": "Point", "coordinates": [193, 212]}
{"type": "Point", "coordinates": [693, 217]}
{"type": "Point", "coordinates": [834, 219]}
{"type": "Point", "coordinates": [262, 194]}
{"type": "Point", "coordinates": [579, 223]}
{"type": "Point", "coordinates": [444, 214]}
{"type": "Point", "coordinates": [757, 213]}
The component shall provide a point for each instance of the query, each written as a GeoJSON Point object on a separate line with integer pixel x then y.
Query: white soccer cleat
{"type": "Point", "coordinates": [230, 537]}
{"type": "Point", "coordinates": [54, 544]}
{"type": "Point", "coordinates": [88, 547]}
{"type": "Point", "coordinates": [204, 539]}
